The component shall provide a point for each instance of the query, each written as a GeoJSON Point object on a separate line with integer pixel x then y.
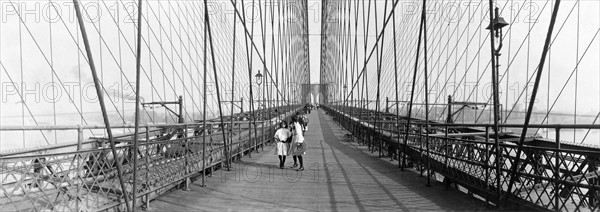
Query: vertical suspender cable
{"type": "Point", "coordinates": [347, 49]}
{"type": "Point", "coordinates": [273, 62]}
{"type": "Point", "coordinates": [348, 60]}
{"type": "Point", "coordinates": [576, 72]}
{"type": "Point", "coordinates": [424, 20]}
{"type": "Point", "coordinates": [252, 106]}
{"type": "Point", "coordinates": [531, 102]}
{"type": "Point", "coordinates": [547, 87]}
{"type": "Point", "coordinates": [249, 60]}
{"type": "Point", "coordinates": [122, 96]}
{"type": "Point", "coordinates": [249, 54]}
{"type": "Point", "coordinates": [322, 62]}
{"type": "Point", "coordinates": [366, 77]}
{"type": "Point", "coordinates": [23, 101]}
{"type": "Point", "coordinates": [352, 45]}
{"type": "Point", "coordinates": [101, 101]}
{"type": "Point", "coordinates": [355, 56]}
{"type": "Point", "coordinates": [232, 89]}
{"type": "Point", "coordinates": [53, 83]}
{"type": "Point", "coordinates": [204, 128]}
{"type": "Point", "coordinates": [412, 94]}
{"type": "Point", "coordinates": [262, 112]}
{"type": "Point", "coordinates": [378, 78]}
{"type": "Point", "coordinates": [282, 47]}
{"type": "Point", "coordinates": [396, 85]}
{"type": "Point", "coordinates": [374, 47]}
{"type": "Point", "coordinates": [365, 30]}
{"type": "Point", "coordinates": [212, 52]}
{"type": "Point", "coordinates": [307, 44]}
{"type": "Point", "coordinates": [288, 86]}
{"type": "Point", "coordinates": [323, 71]}
{"type": "Point", "coordinates": [280, 51]}
{"type": "Point", "coordinates": [380, 61]}
{"type": "Point", "coordinates": [137, 102]}
{"type": "Point", "coordinates": [1, 80]}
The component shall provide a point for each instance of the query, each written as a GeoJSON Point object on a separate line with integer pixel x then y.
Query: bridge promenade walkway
{"type": "Point", "coordinates": [338, 176]}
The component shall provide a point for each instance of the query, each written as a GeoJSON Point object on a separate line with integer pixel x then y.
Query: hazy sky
{"type": "Point", "coordinates": [314, 29]}
{"type": "Point", "coordinates": [31, 52]}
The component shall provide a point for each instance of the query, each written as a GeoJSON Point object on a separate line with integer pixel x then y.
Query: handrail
{"type": "Point", "coordinates": [559, 171]}
{"type": "Point", "coordinates": [164, 165]}
{"type": "Point", "coordinates": [86, 127]}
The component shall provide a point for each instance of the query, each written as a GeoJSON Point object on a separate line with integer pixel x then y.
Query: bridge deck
{"type": "Point", "coordinates": [339, 176]}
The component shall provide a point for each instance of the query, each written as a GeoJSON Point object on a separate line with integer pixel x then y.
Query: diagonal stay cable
{"type": "Point", "coordinates": [254, 46]}
{"type": "Point", "coordinates": [23, 100]}
{"type": "Point", "coordinates": [375, 45]}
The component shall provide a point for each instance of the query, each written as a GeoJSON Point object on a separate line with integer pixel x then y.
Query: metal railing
{"type": "Point", "coordinates": [82, 176]}
{"type": "Point", "coordinates": [551, 175]}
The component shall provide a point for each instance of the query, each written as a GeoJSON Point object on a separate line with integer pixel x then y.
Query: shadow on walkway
{"type": "Point", "coordinates": [404, 190]}
{"type": "Point", "coordinates": [338, 176]}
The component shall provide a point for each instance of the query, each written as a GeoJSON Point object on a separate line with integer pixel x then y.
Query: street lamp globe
{"type": "Point", "coordinates": [258, 77]}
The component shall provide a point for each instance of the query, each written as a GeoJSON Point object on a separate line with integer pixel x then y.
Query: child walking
{"type": "Point", "coordinates": [298, 146]}
{"type": "Point", "coordinates": [281, 136]}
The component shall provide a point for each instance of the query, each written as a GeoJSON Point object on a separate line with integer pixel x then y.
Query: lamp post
{"type": "Point", "coordinates": [259, 78]}
{"type": "Point", "coordinates": [495, 27]}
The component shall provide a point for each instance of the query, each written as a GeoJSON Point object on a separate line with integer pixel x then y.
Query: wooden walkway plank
{"type": "Point", "coordinates": [338, 176]}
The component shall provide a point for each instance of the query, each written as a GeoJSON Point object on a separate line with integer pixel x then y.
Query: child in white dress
{"type": "Point", "coordinates": [298, 146]}
{"type": "Point", "coordinates": [281, 136]}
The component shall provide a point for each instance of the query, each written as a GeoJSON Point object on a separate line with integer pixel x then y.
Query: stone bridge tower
{"type": "Point", "coordinates": [316, 93]}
